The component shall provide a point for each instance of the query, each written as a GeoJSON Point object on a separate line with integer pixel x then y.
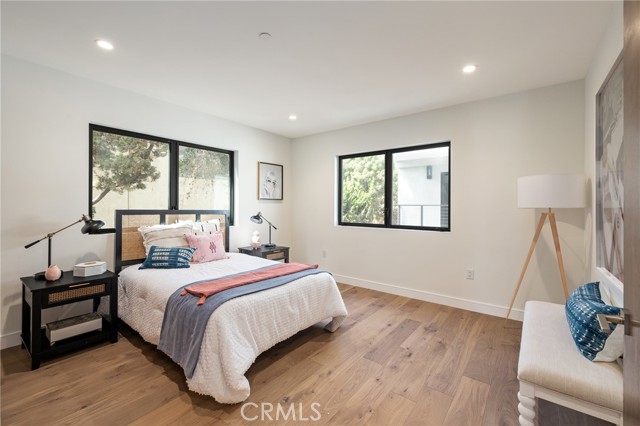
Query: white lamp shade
{"type": "Point", "coordinates": [559, 191]}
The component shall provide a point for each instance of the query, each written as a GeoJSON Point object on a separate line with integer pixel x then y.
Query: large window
{"type": "Point", "coordinates": [397, 188]}
{"type": "Point", "coordinates": [135, 171]}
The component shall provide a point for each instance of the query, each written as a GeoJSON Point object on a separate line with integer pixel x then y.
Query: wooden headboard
{"type": "Point", "coordinates": [129, 248]}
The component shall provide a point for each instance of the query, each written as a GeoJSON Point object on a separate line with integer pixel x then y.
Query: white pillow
{"type": "Point", "coordinates": [208, 227]}
{"type": "Point", "coordinates": [165, 235]}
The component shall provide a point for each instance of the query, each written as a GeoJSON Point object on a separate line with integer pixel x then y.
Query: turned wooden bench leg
{"type": "Point", "coordinates": [527, 405]}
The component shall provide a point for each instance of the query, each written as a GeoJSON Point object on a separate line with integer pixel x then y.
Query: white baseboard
{"type": "Point", "coordinates": [10, 340]}
{"type": "Point", "coordinates": [441, 299]}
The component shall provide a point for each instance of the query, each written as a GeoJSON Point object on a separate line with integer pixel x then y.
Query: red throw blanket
{"type": "Point", "coordinates": [211, 287]}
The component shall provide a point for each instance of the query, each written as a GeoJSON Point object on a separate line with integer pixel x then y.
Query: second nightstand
{"type": "Point", "coordinates": [275, 253]}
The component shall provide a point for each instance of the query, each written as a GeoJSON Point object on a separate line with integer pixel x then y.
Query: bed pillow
{"type": "Point", "coordinates": [168, 258]}
{"type": "Point", "coordinates": [165, 235]}
{"type": "Point", "coordinates": [207, 247]}
{"type": "Point", "coordinates": [207, 227]}
{"type": "Point", "coordinates": [582, 309]}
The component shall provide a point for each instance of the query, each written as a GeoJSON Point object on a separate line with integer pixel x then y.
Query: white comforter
{"type": "Point", "coordinates": [240, 329]}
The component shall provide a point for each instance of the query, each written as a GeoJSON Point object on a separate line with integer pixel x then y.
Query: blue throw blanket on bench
{"type": "Point", "coordinates": [185, 321]}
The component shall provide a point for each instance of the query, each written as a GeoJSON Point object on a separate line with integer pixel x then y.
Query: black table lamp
{"type": "Point", "coordinates": [258, 219]}
{"type": "Point", "coordinates": [90, 227]}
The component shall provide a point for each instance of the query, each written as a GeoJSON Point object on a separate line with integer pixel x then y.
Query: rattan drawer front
{"type": "Point", "coordinates": [275, 255]}
{"type": "Point", "coordinates": [77, 291]}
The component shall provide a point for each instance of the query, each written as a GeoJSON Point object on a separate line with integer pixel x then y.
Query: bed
{"type": "Point", "coordinates": [239, 330]}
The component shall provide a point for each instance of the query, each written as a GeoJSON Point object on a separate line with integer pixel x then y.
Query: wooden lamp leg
{"type": "Point", "coordinates": [556, 242]}
{"type": "Point", "coordinates": [526, 262]}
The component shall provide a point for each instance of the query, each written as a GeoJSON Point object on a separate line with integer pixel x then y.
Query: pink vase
{"type": "Point", "coordinates": [53, 273]}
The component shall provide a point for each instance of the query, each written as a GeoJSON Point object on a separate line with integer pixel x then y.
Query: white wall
{"type": "Point", "coordinates": [45, 152]}
{"type": "Point", "coordinates": [493, 142]}
{"type": "Point", "coordinates": [606, 55]}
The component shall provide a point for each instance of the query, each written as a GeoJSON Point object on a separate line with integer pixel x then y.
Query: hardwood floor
{"type": "Point", "coordinates": [395, 361]}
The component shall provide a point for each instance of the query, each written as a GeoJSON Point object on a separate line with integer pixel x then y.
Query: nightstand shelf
{"type": "Point", "coordinates": [275, 253]}
{"type": "Point", "coordinates": [38, 295]}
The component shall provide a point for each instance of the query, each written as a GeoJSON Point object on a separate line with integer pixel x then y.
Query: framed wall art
{"type": "Point", "coordinates": [609, 185]}
{"type": "Point", "coordinates": [269, 181]}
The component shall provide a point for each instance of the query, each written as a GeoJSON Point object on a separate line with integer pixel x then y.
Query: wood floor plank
{"type": "Point", "coordinates": [365, 335]}
{"type": "Point", "coordinates": [393, 410]}
{"type": "Point", "coordinates": [496, 340]}
{"type": "Point", "coordinates": [72, 395]}
{"type": "Point", "coordinates": [411, 305]}
{"type": "Point", "coordinates": [427, 311]}
{"type": "Point", "coordinates": [482, 362]}
{"type": "Point", "coordinates": [177, 411]}
{"type": "Point", "coordinates": [385, 348]}
{"type": "Point", "coordinates": [431, 408]}
{"type": "Point", "coordinates": [467, 407]}
{"type": "Point", "coordinates": [331, 389]}
{"type": "Point", "coordinates": [458, 335]}
{"type": "Point", "coordinates": [345, 287]}
{"type": "Point", "coordinates": [502, 402]}
{"type": "Point", "coordinates": [501, 367]}
{"type": "Point", "coordinates": [408, 369]}
{"type": "Point", "coordinates": [360, 407]}
{"type": "Point", "coordinates": [267, 388]}
{"type": "Point", "coordinates": [148, 396]}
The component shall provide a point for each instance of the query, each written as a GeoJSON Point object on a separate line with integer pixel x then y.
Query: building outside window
{"type": "Point", "coordinates": [405, 188]}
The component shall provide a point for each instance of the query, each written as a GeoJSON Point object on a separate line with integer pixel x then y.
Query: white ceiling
{"type": "Point", "coordinates": [333, 64]}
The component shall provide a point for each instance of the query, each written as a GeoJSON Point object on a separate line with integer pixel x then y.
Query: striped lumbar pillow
{"type": "Point", "coordinates": [168, 258]}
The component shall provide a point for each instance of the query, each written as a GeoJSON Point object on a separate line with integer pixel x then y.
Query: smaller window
{"type": "Point", "coordinates": [405, 188]}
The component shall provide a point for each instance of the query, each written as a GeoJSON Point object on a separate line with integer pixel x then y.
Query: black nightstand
{"type": "Point", "coordinates": [276, 253]}
{"type": "Point", "coordinates": [38, 295]}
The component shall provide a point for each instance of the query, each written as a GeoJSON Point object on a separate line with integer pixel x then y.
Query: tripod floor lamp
{"type": "Point", "coordinates": [559, 191]}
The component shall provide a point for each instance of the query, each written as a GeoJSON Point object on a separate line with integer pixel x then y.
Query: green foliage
{"type": "Point", "coordinates": [201, 164]}
{"type": "Point", "coordinates": [363, 190]}
{"type": "Point", "coordinates": [124, 163]}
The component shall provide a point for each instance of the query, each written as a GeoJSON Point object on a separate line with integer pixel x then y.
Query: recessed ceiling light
{"type": "Point", "coordinates": [293, 117]}
{"type": "Point", "coordinates": [104, 44]}
{"type": "Point", "coordinates": [469, 69]}
{"type": "Point", "coordinates": [264, 36]}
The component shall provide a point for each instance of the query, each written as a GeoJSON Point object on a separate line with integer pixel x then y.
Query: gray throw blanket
{"type": "Point", "coordinates": [185, 321]}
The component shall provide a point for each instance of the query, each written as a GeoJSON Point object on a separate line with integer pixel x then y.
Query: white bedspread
{"type": "Point", "coordinates": [240, 329]}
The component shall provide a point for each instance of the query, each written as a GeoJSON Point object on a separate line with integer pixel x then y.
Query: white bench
{"type": "Point", "coordinates": [551, 367]}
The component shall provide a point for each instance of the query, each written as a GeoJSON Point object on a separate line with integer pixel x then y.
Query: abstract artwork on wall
{"type": "Point", "coordinates": [609, 184]}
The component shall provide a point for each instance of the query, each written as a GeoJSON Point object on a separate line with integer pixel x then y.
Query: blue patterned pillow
{"type": "Point", "coordinates": [168, 258]}
{"type": "Point", "coordinates": [582, 309]}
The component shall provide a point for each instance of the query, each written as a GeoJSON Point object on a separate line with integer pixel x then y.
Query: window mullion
{"type": "Point", "coordinates": [388, 188]}
{"type": "Point", "coordinates": [173, 174]}
{"type": "Point", "coordinates": [231, 186]}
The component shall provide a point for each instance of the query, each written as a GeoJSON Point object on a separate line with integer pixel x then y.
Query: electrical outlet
{"type": "Point", "coordinates": [469, 274]}
{"type": "Point", "coordinates": [324, 253]}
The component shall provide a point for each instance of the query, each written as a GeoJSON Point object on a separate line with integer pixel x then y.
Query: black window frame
{"type": "Point", "coordinates": [174, 161]}
{"type": "Point", "coordinates": [388, 187]}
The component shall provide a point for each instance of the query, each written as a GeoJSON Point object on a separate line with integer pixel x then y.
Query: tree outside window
{"type": "Point", "coordinates": [398, 188]}
{"type": "Point", "coordinates": [135, 171]}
